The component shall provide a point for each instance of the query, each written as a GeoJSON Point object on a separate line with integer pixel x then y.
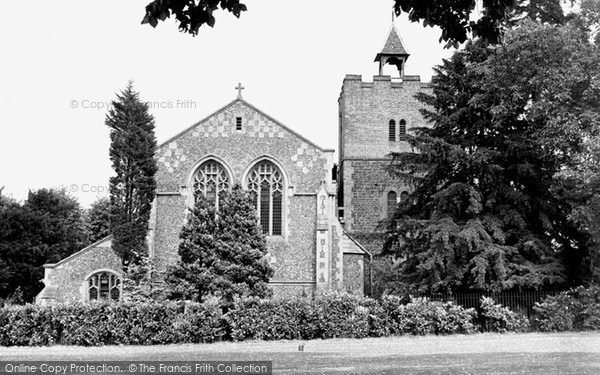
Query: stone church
{"type": "Point", "coordinates": [321, 217]}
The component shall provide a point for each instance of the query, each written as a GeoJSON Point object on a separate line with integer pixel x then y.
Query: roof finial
{"type": "Point", "coordinates": [393, 15]}
{"type": "Point", "coordinates": [239, 87]}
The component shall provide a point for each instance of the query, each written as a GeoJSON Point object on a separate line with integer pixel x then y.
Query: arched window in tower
{"type": "Point", "coordinates": [210, 180]}
{"type": "Point", "coordinates": [392, 131]}
{"type": "Point", "coordinates": [402, 129]}
{"type": "Point", "coordinates": [105, 286]}
{"type": "Point", "coordinates": [265, 182]}
{"type": "Point", "coordinates": [391, 202]}
{"type": "Point", "coordinates": [403, 196]}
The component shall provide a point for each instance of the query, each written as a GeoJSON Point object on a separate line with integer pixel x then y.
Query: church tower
{"type": "Point", "coordinates": [374, 118]}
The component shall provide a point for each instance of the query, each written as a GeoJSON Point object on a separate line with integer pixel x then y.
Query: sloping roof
{"type": "Point", "coordinates": [351, 246]}
{"type": "Point", "coordinates": [393, 45]}
{"type": "Point", "coordinates": [82, 251]}
{"type": "Point", "coordinates": [49, 292]}
{"type": "Point", "coordinates": [176, 136]}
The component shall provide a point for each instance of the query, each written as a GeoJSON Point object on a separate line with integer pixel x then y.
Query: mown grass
{"type": "Point", "coordinates": [547, 354]}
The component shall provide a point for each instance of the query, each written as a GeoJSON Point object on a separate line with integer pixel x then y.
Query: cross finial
{"type": "Point", "coordinates": [239, 87]}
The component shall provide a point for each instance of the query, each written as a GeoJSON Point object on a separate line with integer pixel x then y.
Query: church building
{"type": "Point", "coordinates": [321, 217]}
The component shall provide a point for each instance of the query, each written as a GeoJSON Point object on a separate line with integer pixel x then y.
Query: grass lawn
{"type": "Point", "coordinates": [535, 353]}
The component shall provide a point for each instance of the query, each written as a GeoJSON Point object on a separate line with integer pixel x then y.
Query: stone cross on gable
{"type": "Point", "coordinates": [239, 87]}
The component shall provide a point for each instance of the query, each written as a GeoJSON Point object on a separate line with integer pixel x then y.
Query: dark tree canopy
{"type": "Point", "coordinates": [98, 219]}
{"type": "Point", "coordinates": [190, 14]}
{"type": "Point", "coordinates": [46, 228]}
{"type": "Point", "coordinates": [487, 212]}
{"type": "Point", "coordinates": [132, 189]}
{"type": "Point", "coordinates": [457, 18]}
{"type": "Point", "coordinates": [454, 17]}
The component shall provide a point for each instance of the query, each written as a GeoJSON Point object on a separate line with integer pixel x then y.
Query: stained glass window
{"type": "Point", "coordinates": [210, 179]}
{"type": "Point", "coordinates": [104, 286]}
{"type": "Point", "coordinates": [265, 182]}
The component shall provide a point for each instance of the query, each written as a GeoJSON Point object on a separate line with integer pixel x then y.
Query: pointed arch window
{"type": "Point", "coordinates": [391, 202]}
{"type": "Point", "coordinates": [265, 182]}
{"type": "Point", "coordinates": [402, 129]}
{"type": "Point", "coordinates": [210, 180]}
{"type": "Point", "coordinates": [104, 286]}
{"type": "Point", "coordinates": [392, 131]}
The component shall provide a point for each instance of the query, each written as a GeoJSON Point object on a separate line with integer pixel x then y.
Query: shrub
{"type": "Point", "coordinates": [265, 319]}
{"type": "Point", "coordinates": [388, 323]}
{"type": "Point", "coordinates": [456, 319]}
{"type": "Point", "coordinates": [4, 327]}
{"type": "Point", "coordinates": [555, 313]}
{"type": "Point", "coordinates": [128, 324]}
{"type": "Point", "coordinates": [422, 317]}
{"type": "Point", "coordinates": [575, 309]}
{"type": "Point", "coordinates": [28, 325]}
{"type": "Point", "coordinates": [201, 323]}
{"type": "Point", "coordinates": [88, 325]}
{"type": "Point", "coordinates": [501, 319]}
{"type": "Point", "coordinates": [341, 315]}
{"type": "Point", "coordinates": [147, 323]}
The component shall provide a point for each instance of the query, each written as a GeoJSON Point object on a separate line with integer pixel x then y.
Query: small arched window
{"type": "Point", "coordinates": [265, 182]}
{"type": "Point", "coordinates": [104, 286]}
{"type": "Point", "coordinates": [391, 202]}
{"type": "Point", "coordinates": [403, 196]}
{"type": "Point", "coordinates": [392, 131]}
{"type": "Point", "coordinates": [402, 129]}
{"type": "Point", "coordinates": [210, 179]}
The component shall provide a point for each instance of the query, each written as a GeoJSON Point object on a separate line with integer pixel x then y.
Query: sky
{"type": "Point", "coordinates": [62, 63]}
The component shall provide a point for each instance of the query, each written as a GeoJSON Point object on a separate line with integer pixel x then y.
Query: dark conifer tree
{"type": "Point", "coordinates": [242, 248]}
{"type": "Point", "coordinates": [223, 253]}
{"type": "Point", "coordinates": [485, 213]}
{"type": "Point", "coordinates": [132, 189]}
{"type": "Point", "coordinates": [192, 278]}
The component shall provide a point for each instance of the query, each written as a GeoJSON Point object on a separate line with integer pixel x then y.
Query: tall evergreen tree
{"type": "Point", "coordinates": [242, 248]}
{"type": "Point", "coordinates": [222, 252]}
{"type": "Point", "coordinates": [486, 213]}
{"type": "Point", "coordinates": [132, 189]}
{"type": "Point", "coordinates": [193, 275]}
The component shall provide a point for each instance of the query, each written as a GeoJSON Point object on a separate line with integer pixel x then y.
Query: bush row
{"type": "Point", "coordinates": [576, 309]}
{"type": "Point", "coordinates": [165, 323]}
{"type": "Point", "coordinates": [326, 316]}
{"type": "Point", "coordinates": [345, 316]}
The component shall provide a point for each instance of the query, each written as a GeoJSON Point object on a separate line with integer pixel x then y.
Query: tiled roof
{"type": "Point", "coordinates": [393, 44]}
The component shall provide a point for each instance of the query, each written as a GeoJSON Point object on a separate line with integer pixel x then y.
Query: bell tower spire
{"type": "Point", "coordinates": [393, 51]}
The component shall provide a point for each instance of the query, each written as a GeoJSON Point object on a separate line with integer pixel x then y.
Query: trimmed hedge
{"type": "Point", "coordinates": [576, 309]}
{"type": "Point", "coordinates": [106, 324]}
{"type": "Point", "coordinates": [327, 316]}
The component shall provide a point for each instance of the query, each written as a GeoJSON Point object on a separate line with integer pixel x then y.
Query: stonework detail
{"type": "Point", "coordinates": [353, 273]}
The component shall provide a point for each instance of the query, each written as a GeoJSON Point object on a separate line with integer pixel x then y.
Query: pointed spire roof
{"type": "Point", "coordinates": [393, 46]}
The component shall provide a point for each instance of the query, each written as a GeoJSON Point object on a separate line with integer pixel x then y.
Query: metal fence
{"type": "Point", "coordinates": [521, 302]}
